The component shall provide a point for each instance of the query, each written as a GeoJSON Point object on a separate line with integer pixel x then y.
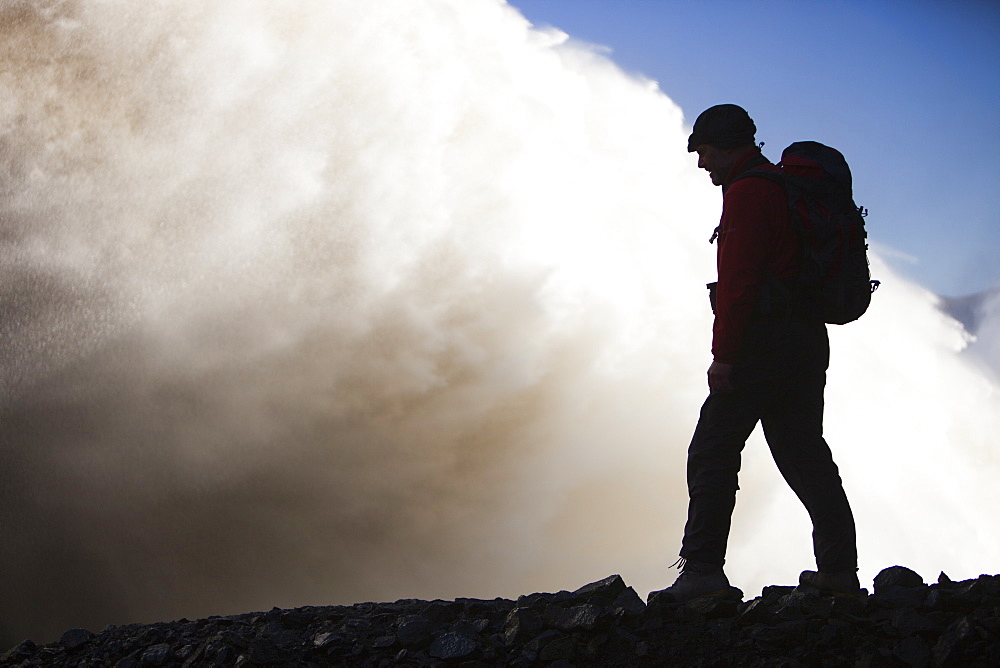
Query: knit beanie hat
{"type": "Point", "coordinates": [724, 125]}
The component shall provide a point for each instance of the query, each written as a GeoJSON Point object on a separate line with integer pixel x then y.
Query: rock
{"type": "Point", "coordinates": [757, 611]}
{"type": "Point", "coordinates": [971, 594]}
{"type": "Point", "coordinates": [440, 612]}
{"type": "Point", "coordinates": [714, 607]}
{"type": "Point", "coordinates": [629, 602]}
{"type": "Point", "coordinates": [325, 639]}
{"type": "Point", "coordinates": [894, 596]}
{"type": "Point", "coordinates": [913, 651]}
{"type": "Point", "coordinates": [562, 648]}
{"type": "Point", "coordinates": [521, 624]}
{"type": "Point", "coordinates": [803, 603]}
{"type": "Point", "coordinates": [19, 652]}
{"type": "Point", "coordinates": [74, 638]}
{"type": "Point", "coordinates": [898, 576]}
{"type": "Point", "coordinates": [451, 646]}
{"type": "Point", "coordinates": [603, 591]}
{"type": "Point", "coordinates": [157, 655]}
{"type": "Point", "coordinates": [908, 622]}
{"type": "Point", "coordinates": [659, 602]}
{"type": "Point", "coordinates": [542, 600]}
{"type": "Point", "coordinates": [950, 646]}
{"type": "Point", "coordinates": [580, 617]}
{"type": "Point", "coordinates": [413, 630]}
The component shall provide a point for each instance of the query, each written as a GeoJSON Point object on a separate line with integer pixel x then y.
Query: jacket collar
{"type": "Point", "coordinates": [750, 160]}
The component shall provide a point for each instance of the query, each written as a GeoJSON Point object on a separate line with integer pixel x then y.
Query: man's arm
{"type": "Point", "coordinates": [755, 210]}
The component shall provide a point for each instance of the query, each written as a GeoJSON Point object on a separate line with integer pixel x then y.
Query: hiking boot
{"type": "Point", "coordinates": [697, 580]}
{"type": "Point", "coordinates": [843, 584]}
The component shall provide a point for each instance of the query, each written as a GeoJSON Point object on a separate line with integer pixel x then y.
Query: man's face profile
{"type": "Point", "coordinates": [715, 161]}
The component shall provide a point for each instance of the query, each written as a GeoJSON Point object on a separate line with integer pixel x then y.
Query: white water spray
{"type": "Point", "coordinates": [338, 301]}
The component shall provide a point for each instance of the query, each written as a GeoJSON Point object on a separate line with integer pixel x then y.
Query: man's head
{"type": "Point", "coordinates": [721, 134]}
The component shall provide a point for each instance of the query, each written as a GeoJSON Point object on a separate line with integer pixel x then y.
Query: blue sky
{"type": "Point", "coordinates": [909, 91]}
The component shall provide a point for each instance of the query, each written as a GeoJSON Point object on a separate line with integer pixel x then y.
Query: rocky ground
{"type": "Point", "coordinates": [904, 622]}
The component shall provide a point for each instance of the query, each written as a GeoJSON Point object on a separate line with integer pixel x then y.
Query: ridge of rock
{"type": "Point", "coordinates": [904, 622]}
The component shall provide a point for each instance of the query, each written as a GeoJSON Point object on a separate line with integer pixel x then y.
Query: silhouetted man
{"type": "Point", "coordinates": [769, 367]}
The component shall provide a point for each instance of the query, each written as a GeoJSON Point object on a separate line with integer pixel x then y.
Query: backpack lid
{"type": "Point", "coordinates": [811, 159]}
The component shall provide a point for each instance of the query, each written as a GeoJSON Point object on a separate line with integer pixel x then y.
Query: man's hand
{"type": "Point", "coordinates": [719, 378]}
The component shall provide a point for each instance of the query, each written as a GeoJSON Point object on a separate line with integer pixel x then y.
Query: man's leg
{"type": "Point", "coordinates": [793, 427]}
{"type": "Point", "coordinates": [713, 467]}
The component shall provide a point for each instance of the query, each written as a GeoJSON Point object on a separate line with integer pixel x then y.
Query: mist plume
{"type": "Point", "coordinates": [338, 301]}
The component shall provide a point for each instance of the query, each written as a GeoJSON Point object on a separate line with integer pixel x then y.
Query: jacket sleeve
{"type": "Point", "coordinates": [754, 229]}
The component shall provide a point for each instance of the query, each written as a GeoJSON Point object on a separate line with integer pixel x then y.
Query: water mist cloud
{"type": "Point", "coordinates": [346, 302]}
{"type": "Point", "coordinates": [981, 315]}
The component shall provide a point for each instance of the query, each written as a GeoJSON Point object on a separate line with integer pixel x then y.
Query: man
{"type": "Point", "coordinates": [769, 366]}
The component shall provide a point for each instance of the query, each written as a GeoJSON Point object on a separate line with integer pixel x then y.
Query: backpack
{"type": "Point", "coordinates": [833, 284]}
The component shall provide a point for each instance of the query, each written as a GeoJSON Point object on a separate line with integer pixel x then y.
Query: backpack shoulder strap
{"type": "Point", "coordinates": [769, 172]}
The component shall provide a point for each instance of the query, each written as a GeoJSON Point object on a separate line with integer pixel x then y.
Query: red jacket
{"type": "Point", "coordinates": [755, 240]}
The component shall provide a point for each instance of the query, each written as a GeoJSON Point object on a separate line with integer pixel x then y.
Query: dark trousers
{"type": "Point", "coordinates": [780, 384]}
